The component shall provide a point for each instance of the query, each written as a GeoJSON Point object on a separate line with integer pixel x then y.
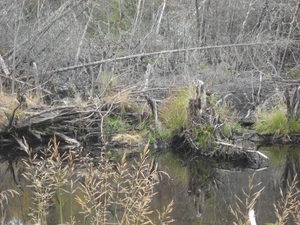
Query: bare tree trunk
{"type": "Point", "coordinates": [82, 37]}
{"type": "Point", "coordinates": [204, 22]}
{"type": "Point", "coordinates": [198, 21]}
{"type": "Point", "coordinates": [137, 16]}
{"type": "Point", "coordinates": [242, 31]}
{"type": "Point", "coordinates": [160, 16]}
{"type": "Point", "coordinates": [93, 76]}
{"type": "Point", "coordinates": [3, 66]}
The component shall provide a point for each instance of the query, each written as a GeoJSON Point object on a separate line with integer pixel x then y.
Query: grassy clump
{"type": "Point", "coordinates": [173, 112]}
{"type": "Point", "coordinates": [115, 125]}
{"type": "Point", "coordinates": [229, 129]}
{"type": "Point", "coordinates": [294, 125]}
{"type": "Point", "coordinates": [204, 135]}
{"type": "Point", "coordinates": [273, 122]}
{"type": "Point", "coordinates": [276, 122]}
{"type": "Point", "coordinates": [165, 134]}
{"type": "Point", "coordinates": [107, 192]}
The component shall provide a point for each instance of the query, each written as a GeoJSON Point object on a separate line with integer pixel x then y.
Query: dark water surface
{"type": "Point", "coordinates": [202, 193]}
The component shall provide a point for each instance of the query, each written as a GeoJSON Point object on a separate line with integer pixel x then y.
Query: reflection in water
{"type": "Point", "coordinates": [292, 165]}
{"type": "Point", "coordinates": [202, 191]}
{"type": "Point", "coordinates": [202, 184]}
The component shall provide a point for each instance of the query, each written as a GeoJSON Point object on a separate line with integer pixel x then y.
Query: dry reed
{"type": "Point", "coordinates": [243, 206]}
{"type": "Point", "coordinates": [289, 204]}
{"type": "Point", "coordinates": [286, 209]}
{"type": "Point", "coordinates": [4, 196]}
{"type": "Point", "coordinates": [108, 193]}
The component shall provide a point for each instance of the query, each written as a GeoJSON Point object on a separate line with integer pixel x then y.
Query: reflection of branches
{"type": "Point", "coordinates": [201, 185]}
{"type": "Point", "coordinates": [291, 170]}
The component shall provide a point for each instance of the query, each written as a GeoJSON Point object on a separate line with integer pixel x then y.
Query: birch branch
{"type": "Point", "coordinates": [160, 16]}
{"type": "Point", "coordinates": [82, 38]}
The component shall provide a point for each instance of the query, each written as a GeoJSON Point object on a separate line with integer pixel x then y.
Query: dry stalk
{"type": "Point", "coordinates": [109, 193]}
{"type": "Point", "coordinates": [4, 199]}
{"type": "Point", "coordinates": [243, 206]}
{"type": "Point", "coordinates": [164, 215]}
{"type": "Point", "coordinates": [289, 203]}
{"type": "Point", "coordinates": [120, 193]}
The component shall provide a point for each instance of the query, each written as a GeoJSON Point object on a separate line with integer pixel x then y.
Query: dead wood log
{"type": "Point", "coordinates": [242, 148]}
{"type": "Point", "coordinates": [199, 111]}
{"type": "Point", "coordinates": [21, 144]}
{"type": "Point", "coordinates": [67, 139]}
{"type": "Point", "coordinates": [152, 103]}
{"type": "Point", "coordinates": [37, 134]}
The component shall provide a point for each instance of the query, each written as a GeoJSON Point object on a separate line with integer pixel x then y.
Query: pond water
{"type": "Point", "coordinates": [202, 192]}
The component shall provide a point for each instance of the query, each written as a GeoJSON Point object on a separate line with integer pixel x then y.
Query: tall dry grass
{"type": "Point", "coordinates": [243, 206]}
{"type": "Point", "coordinates": [4, 196]}
{"type": "Point", "coordinates": [287, 209]}
{"type": "Point", "coordinates": [289, 204]}
{"type": "Point", "coordinates": [107, 192]}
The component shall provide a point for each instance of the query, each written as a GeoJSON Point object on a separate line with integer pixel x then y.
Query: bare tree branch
{"type": "Point", "coordinates": [153, 54]}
